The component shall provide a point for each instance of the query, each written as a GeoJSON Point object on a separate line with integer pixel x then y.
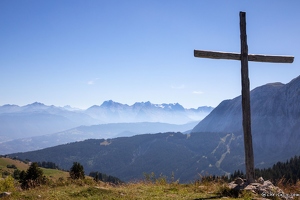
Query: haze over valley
{"type": "Point", "coordinates": [36, 126]}
{"type": "Point", "coordinates": [214, 145]}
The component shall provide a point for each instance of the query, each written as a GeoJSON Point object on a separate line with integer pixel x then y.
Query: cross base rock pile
{"type": "Point", "coordinates": [264, 188]}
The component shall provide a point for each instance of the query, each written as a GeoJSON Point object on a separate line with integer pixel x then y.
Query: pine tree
{"type": "Point", "coordinates": [32, 177]}
{"type": "Point", "coordinates": [77, 171]}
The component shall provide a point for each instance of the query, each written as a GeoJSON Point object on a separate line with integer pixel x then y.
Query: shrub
{"type": "Point", "coordinates": [5, 174]}
{"type": "Point", "coordinates": [76, 171]}
{"type": "Point", "coordinates": [11, 166]}
{"type": "Point", "coordinates": [16, 174]}
{"type": "Point", "coordinates": [7, 184]}
{"type": "Point", "coordinates": [149, 177]}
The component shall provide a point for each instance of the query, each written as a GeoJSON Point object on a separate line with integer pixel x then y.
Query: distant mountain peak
{"type": "Point", "coordinates": [112, 104]}
{"type": "Point", "coordinates": [10, 105]}
{"type": "Point", "coordinates": [173, 106]}
{"type": "Point", "coordinates": [276, 84]}
{"type": "Point", "coordinates": [110, 111]}
{"type": "Point", "coordinates": [142, 103]}
{"type": "Point", "coordinates": [70, 108]}
{"type": "Point", "coordinates": [36, 104]}
{"type": "Point", "coordinates": [108, 103]}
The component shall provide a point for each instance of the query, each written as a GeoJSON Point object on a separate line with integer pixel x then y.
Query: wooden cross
{"type": "Point", "coordinates": [244, 57]}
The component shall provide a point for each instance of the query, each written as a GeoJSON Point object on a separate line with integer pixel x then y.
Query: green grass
{"type": "Point", "coordinates": [60, 186]}
{"type": "Point", "coordinates": [55, 174]}
{"type": "Point", "coordinates": [52, 174]}
{"type": "Point", "coordinates": [65, 188]}
{"type": "Point", "coordinates": [141, 190]}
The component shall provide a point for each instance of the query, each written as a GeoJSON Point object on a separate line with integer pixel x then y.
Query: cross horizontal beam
{"type": "Point", "coordinates": [237, 56]}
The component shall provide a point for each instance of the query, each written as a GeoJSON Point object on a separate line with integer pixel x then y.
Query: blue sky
{"type": "Point", "coordinates": [82, 52]}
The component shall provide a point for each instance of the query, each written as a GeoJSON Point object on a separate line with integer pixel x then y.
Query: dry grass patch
{"type": "Point", "coordinates": [8, 161]}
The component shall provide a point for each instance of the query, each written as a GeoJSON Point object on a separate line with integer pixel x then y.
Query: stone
{"type": "Point", "coordinates": [265, 189]}
{"type": "Point", "coordinates": [260, 180]}
{"type": "Point", "coordinates": [268, 183]}
{"type": "Point", "coordinates": [239, 181]}
{"type": "Point", "coordinates": [250, 187]}
{"type": "Point", "coordinates": [232, 185]}
{"type": "Point", "coordinates": [5, 194]}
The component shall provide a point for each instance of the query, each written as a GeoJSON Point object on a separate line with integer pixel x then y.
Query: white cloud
{"type": "Point", "coordinates": [92, 82]}
{"type": "Point", "coordinates": [198, 92]}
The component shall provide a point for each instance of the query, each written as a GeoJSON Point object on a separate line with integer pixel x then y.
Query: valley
{"type": "Point", "coordinates": [36, 126]}
{"type": "Point", "coordinates": [213, 146]}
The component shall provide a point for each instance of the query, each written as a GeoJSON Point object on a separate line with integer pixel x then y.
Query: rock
{"type": "Point", "coordinates": [232, 185]}
{"type": "Point", "coordinates": [5, 194]}
{"type": "Point", "coordinates": [260, 180]}
{"type": "Point", "coordinates": [239, 181]}
{"type": "Point", "coordinates": [268, 184]}
{"type": "Point", "coordinates": [250, 188]}
{"type": "Point", "coordinates": [263, 188]}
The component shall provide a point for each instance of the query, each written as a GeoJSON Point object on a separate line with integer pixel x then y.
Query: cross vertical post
{"type": "Point", "coordinates": [249, 157]}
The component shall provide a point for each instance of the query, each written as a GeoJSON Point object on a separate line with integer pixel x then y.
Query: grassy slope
{"type": "Point", "coordinates": [88, 189]}
{"type": "Point", "coordinates": [53, 174]}
{"type": "Point", "coordinates": [64, 188]}
{"type": "Point", "coordinates": [140, 190]}
{"type": "Point", "coordinates": [8, 161]}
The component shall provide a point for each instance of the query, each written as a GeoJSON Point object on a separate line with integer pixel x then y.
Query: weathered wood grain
{"type": "Point", "coordinates": [272, 59]}
{"type": "Point", "coordinates": [237, 56]}
{"type": "Point", "coordinates": [249, 156]}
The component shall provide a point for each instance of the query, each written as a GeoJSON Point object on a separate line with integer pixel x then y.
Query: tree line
{"type": "Point", "coordinates": [98, 176]}
{"type": "Point", "coordinates": [287, 172]}
{"type": "Point", "coordinates": [48, 165]}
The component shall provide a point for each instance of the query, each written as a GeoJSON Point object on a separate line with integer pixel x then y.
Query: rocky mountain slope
{"type": "Point", "coordinates": [275, 115]}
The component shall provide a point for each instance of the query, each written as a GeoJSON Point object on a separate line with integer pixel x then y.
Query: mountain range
{"type": "Point", "coordinates": [114, 112]}
{"type": "Point", "coordinates": [37, 119]}
{"type": "Point", "coordinates": [215, 145]}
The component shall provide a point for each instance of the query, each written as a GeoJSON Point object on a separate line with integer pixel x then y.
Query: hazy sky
{"type": "Point", "coordinates": [82, 52]}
